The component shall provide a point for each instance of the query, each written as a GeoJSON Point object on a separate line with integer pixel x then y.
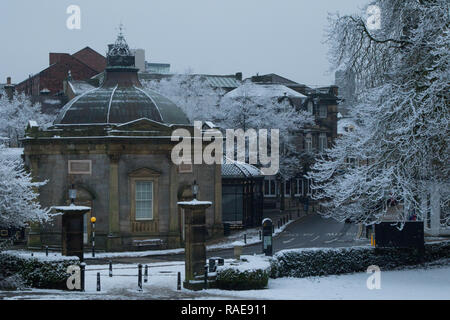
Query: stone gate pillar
{"type": "Point", "coordinates": [195, 249]}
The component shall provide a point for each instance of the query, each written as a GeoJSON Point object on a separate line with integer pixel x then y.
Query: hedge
{"type": "Point", "coordinates": [301, 263]}
{"type": "Point", "coordinates": [233, 279]}
{"type": "Point", "coordinates": [37, 273]}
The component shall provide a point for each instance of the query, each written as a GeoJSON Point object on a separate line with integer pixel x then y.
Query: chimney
{"type": "Point", "coordinates": [9, 88]}
{"type": "Point", "coordinates": [334, 90]}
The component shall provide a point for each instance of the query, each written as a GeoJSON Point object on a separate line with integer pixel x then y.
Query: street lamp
{"type": "Point", "coordinates": [72, 194]}
{"type": "Point", "coordinates": [195, 189]}
{"type": "Point", "coordinates": [93, 220]}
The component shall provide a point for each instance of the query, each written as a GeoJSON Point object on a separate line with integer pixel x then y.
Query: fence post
{"type": "Point", "coordinates": [146, 274]}
{"type": "Point", "coordinates": [82, 276]}
{"type": "Point", "coordinates": [245, 238]}
{"type": "Point", "coordinates": [140, 277]}
{"type": "Point", "coordinates": [206, 277]}
{"type": "Point", "coordinates": [259, 234]}
{"type": "Point", "coordinates": [98, 282]}
{"type": "Point", "coordinates": [110, 269]}
{"type": "Point", "coordinates": [179, 281]}
{"type": "Point", "coordinates": [46, 251]}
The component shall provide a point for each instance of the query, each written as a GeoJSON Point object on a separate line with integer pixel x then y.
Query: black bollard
{"type": "Point", "coordinates": [140, 277]}
{"type": "Point", "coordinates": [146, 274]}
{"type": "Point", "coordinates": [206, 277]}
{"type": "Point", "coordinates": [110, 268]}
{"type": "Point", "coordinates": [259, 234]}
{"type": "Point", "coordinates": [82, 275]}
{"type": "Point", "coordinates": [98, 282]}
{"type": "Point", "coordinates": [245, 238]}
{"type": "Point", "coordinates": [46, 251]}
{"type": "Point", "coordinates": [179, 281]}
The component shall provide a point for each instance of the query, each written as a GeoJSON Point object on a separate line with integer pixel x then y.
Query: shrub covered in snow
{"type": "Point", "coordinates": [234, 279]}
{"type": "Point", "coordinates": [301, 263]}
{"type": "Point", "coordinates": [251, 273]}
{"type": "Point", "coordinates": [36, 273]}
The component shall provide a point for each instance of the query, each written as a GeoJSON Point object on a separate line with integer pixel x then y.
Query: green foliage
{"type": "Point", "coordinates": [322, 262]}
{"type": "Point", "coordinates": [233, 279]}
{"type": "Point", "coordinates": [35, 273]}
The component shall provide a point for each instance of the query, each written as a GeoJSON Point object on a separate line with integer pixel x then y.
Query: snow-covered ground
{"type": "Point", "coordinates": [420, 283]}
{"type": "Point", "coordinates": [235, 239]}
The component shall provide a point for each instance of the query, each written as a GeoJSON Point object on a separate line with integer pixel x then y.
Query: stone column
{"type": "Point", "coordinates": [113, 239]}
{"type": "Point", "coordinates": [34, 235]}
{"type": "Point", "coordinates": [218, 226]}
{"type": "Point", "coordinates": [195, 249]}
{"type": "Point", "coordinates": [174, 220]}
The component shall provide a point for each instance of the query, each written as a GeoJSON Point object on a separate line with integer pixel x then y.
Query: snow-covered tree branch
{"type": "Point", "coordinates": [402, 138]}
{"type": "Point", "coordinates": [19, 203]}
{"type": "Point", "coordinates": [15, 114]}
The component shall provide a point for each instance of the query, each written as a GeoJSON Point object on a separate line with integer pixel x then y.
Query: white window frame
{"type": "Point", "coordinates": [152, 200]}
{"type": "Point", "coordinates": [323, 142]}
{"type": "Point", "coordinates": [299, 183]}
{"type": "Point", "coordinates": [269, 193]}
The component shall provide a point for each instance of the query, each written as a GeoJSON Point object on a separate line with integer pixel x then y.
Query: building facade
{"type": "Point", "coordinates": [113, 145]}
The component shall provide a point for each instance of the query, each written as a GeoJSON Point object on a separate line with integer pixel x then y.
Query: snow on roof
{"type": "Point", "coordinates": [195, 202]}
{"type": "Point", "coordinates": [264, 90]}
{"type": "Point", "coordinates": [79, 87]}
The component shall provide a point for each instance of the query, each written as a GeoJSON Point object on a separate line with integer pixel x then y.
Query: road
{"type": "Point", "coordinates": [309, 232]}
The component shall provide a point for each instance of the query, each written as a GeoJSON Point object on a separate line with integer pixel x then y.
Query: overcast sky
{"type": "Point", "coordinates": [204, 36]}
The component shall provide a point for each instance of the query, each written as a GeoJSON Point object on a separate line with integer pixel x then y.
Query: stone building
{"type": "Point", "coordinates": [113, 145]}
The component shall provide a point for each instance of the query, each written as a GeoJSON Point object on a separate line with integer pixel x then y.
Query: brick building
{"type": "Point", "coordinates": [46, 86]}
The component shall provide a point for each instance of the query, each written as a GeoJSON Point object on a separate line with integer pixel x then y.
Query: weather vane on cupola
{"type": "Point", "coordinates": [119, 54]}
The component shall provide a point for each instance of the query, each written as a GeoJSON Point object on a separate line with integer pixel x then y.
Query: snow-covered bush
{"type": "Point", "coordinates": [250, 273]}
{"type": "Point", "coordinates": [300, 263]}
{"type": "Point", "coordinates": [36, 273]}
{"type": "Point", "coordinates": [234, 279]}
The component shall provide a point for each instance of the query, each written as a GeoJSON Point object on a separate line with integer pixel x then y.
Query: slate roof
{"type": "Point", "coordinates": [235, 169]}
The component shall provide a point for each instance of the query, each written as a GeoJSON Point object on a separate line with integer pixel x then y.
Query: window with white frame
{"type": "Point", "coordinates": [308, 143]}
{"type": "Point", "coordinates": [144, 200]}
{"type": "Point", "coordinates": [323, 111]}
{"type": "Point", "coordinates": [270, 187]}
{"type": "Point", "coordinates": [298, 187]}
{"type": "Point", "coordinates": [322, 142]}
{"type": "Point", "coordinates": [308, 187]}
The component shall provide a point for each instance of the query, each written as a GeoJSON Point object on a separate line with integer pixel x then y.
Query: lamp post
{"type": "Point", "coordinates": [93, 220]}
{"type": "Point", "coordinates": [72, 194]}
{"type": "Point", "coordinates": [195, 189]}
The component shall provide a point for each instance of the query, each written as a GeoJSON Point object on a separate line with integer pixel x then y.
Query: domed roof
{"type": "Point", "coordinates": [236, 169]}
{"type": "Point", "coordinates": [121, 98]}
{"type": "Point", "coordinates": [115, 105]}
